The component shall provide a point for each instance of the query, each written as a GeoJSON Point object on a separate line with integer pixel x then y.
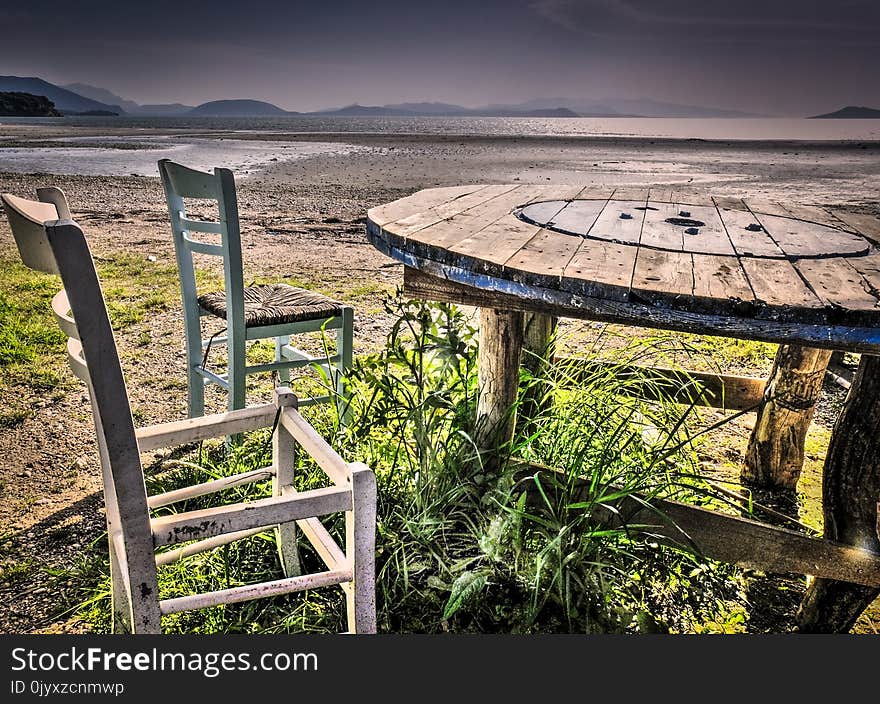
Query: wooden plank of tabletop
{"type": "Point", "coordinates": [798, 238]}
{"type": "Point", "coordinates": [867, 225]}
{"type": "Point", "coordinates": [409, 225]}
{"type": "Point", "coordinates": [746, 242]}
{"type": "Point", "coordinates": [838, 284]}
{"type": "Point", "coordinates": [869, 268]}
{"type": "Point", "coordinates": [656, 232]}
{"type": "Point", "coordinates": [578, 216]}
{"type": "Point", "coordinates": [687, 196]}
{"type": "Point", "coordinates": [660, 275]}
{"type": "Point", "coordinates": [631, 193]}
{"type": "Point", "coordinates": [430, 241]}
{"type": "Point", "coordinates": [776, 283]}
{"type": "Point", "coordinates": [661, 194]}
{"type": "Point", "coordinates": [765, 206]}
{"type": "Point", "coordinates": [721, 278]}
{"type": "Point", "coordinates": [815, 213]}
{"type": "Point", "coordinates": [601, 269]}
{"type": "Point", "coordinates": [729, 203]}
{"type": "Point", "coordinates": [542, 260]}
{"type": "Point", "coordinates": [381, 215]}
{"type": "Point", "coordinates": [487, 251]}
{"type": "Point", "coordinates": [610, 226]}
{"type": "Point", "coordinates": [712, 237]}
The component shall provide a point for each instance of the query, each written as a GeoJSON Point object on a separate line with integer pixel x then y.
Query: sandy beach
{"type": "Point", "coordinates": [302, 222]}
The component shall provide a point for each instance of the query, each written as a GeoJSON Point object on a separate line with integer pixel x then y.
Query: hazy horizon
{"type": "Point", "coordinates": [774, 57]}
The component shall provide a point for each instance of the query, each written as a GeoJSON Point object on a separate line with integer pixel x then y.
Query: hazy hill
{"type": "Point", "coordinates": [646, 107]}
{"type": "Point", "coordinates": [131, 107]}
{"type": "Point", "coordinates": [237, 108]}
{"type": "Point", "coordinates": [442, 110]}
{"type": "Point", "coordinates": [102, 95]}
{"type": "Point", "coordinates": [581, 107]}
{"type": "Point", "coordinates": [163, 110]}
{"type": "Point", "coordinates": [850, 112]}
{"type": "Point", "coordinates": [66, 101]}
{"type": "Point", "coordinates": [427, 109]}
{"type": "Point", "coordinates": [26, 105]}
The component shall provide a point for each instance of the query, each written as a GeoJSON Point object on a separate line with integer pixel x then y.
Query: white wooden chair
{"type": "Point", "coordinates": [50, 242]}
{"type": "Point", "coordinates": [274, 311]}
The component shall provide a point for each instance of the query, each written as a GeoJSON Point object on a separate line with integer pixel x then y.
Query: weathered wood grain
{"type": "Point", "coordinates": [410, 224]}
{"type": "Point", "coordinates": [723, 391]}
{"type": "Point", "coordinates": [610, 226]}
{"type": "Point", "coordinates": [417, 202]}
{"type": "Point", "coordinates": [446, 233]}
{"type": "Point", "coordinates": [815, 213]}
{"type": "Point", "coordinates": [838, 285]}
{"type": "Point", "coordinates": [600, 269]}
{"type": "Point", "coordinates": [867, 225]}
{"type": "Point", "coordinates": [850, 490]}
{"type": "Point", "coordinates": [578, 216]}
{"type": "Point", "coordinates": [764, 206]}
{"type": "Point", "coordinates": [719, 278]}
{"type": "Point", "coordinates": [662, 276]}
{"type": "Point", "coordinates": [543, 258]}
{"type": "Point", "coordinates": [501, 339]}
{"type": "Point", "coordinates": [441, 283]}
{"type": "Point", "coordinates": [777, 285]}
{"type": "Point", "coordinates": [798, 238]}
{"type": "Point", "coordinates": [775, 453]}
{"type": "Point", "coordinates": [729, 203]}
{"type": "Point", "coordinates": [746, 242]}
{"type": "Point", "coordinates": [712, 237]}
{"type": "Point", "coordinates": [658, 233]}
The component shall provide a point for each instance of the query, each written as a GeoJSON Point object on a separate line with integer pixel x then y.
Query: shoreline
{"type": "Point", "coordinates": [366, 138]}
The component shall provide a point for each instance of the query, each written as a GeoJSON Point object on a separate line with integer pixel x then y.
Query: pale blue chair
{"type": "Point", "coordinates": [271, 311]}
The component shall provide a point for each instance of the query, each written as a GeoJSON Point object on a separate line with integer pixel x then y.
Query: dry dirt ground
{"type": "Point", "coordinates": [303, 223]}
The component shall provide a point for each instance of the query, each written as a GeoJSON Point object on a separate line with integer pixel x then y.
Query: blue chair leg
{"type": "Point", "coordinates": [237, 370]}
{"type": "Point", "coordinates": [345, 347]}
{"type": "Point", "coordinates": [195, 382]}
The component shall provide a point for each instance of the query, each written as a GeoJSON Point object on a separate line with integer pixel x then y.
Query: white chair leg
{"type": "Point", "coordinates": [284, 460]}
{"type": "Point", "coordinates": [360, 548]}
{"type": "Point", "coordinates": [120, 604]}
{"type": "Point", "coordinates": [283, 372]}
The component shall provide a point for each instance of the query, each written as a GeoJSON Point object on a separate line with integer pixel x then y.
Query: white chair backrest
{"type": "Point", "coordinates": [59, 246]}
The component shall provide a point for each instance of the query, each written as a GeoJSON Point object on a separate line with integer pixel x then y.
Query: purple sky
{"type": "Point", "coordinates": [770, 56]}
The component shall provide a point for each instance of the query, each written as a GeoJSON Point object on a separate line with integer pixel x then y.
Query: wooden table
{"type": "Point", "coordinates": [803, 276]}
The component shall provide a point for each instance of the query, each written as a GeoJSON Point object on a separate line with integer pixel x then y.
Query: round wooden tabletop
{"type": "Point", "coordinates": [659, 247]}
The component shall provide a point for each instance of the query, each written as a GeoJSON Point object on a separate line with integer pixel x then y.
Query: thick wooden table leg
{"type": "Point", "coordinates": [538, 332]}
{"type": "Point", "coordinates": [775, 454]}
{"type": "Point", "coordinates": [850, 492]}
{"type": "Point", "coordinates": [501, 338]}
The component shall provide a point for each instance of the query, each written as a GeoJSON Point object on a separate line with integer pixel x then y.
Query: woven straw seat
{"type": "Point", "coordinates": [274, 312]}
{"type": "Point", "coordinates": [275, 304]}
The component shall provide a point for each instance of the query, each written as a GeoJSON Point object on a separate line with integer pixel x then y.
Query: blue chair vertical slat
{"type": "Point", "coordinates": [181, 182]}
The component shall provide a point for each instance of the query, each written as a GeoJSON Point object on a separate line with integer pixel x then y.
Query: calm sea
{"type": "Point", "coordinates": [134, 146]}
{"type": "Point", "coordinates": [681, 128]}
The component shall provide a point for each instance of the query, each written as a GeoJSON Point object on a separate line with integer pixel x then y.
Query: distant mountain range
{"type": "Point", "coordinates": [82, 98]}
{"type": "Point", "coordinates": [66, 101]}
{"type": "Point", "coordinates": [850, 112]}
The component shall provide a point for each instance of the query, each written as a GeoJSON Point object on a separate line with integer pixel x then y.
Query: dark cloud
{"type": "Point", "coordinates": [793, 56]}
